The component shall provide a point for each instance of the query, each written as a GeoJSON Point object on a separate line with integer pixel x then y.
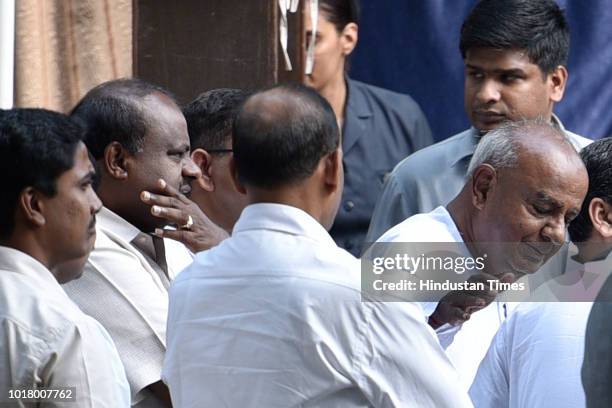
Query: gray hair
{"type": "Point", "coordinates": [500, 147]}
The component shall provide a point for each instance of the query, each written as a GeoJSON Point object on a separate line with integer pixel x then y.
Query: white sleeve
{"type": "Point", "coordinates": [401, 363]}
{"type": "Point", "coordinates": [490, 388]}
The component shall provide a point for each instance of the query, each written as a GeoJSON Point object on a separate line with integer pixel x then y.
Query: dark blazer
{"type": "Point", "coordinates": [597, 363]}
{"type": "Point", "coordinates": [380, 128]}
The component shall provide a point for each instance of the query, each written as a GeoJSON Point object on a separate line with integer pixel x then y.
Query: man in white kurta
{"type": "Point", "coordinates": [508, 172]}
{"type": "Point", "coordinates": [536, 357]}
{"type": "Point", "coordinates": [274, 315]}
{"type": "Point", "coordinates": [51, 353]}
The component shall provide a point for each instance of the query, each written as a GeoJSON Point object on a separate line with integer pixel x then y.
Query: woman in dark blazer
{"type": "Point", "coordinates": [379, 127]}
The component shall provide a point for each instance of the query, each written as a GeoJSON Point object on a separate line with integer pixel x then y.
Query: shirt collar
{"type": "Point", "coordinates": [467, 144]}
{"type": "Point", "coordinates": [282, 218]}
{"type": "Point", "coordinates": [13, 260]}
{"type": "Point", "coordinates": [356, 101]}
{"type": "Point", "coordinates": [471, 137]}
{"type": "Point", "coordinates": [108, 220]}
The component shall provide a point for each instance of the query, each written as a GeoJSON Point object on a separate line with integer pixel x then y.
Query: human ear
{"type": "Point", "coordinates": [557, 80]}
{"type": "Point", "coordinates": [203, 160]}
{"type": "Point", "coordinates": [349, 37]}
{"type": "Point", "coordinates": [114, 161]}
{"type": "Point", "coordinates": [600, 213]}
{"type": "Point", "coordinates": [483, 181]}
{"type": "Point", "coordinates": [235, 178]}
{"type": "Point", "coordinates": [333, 172]}
{"type": "Point", "coordinates": [32, 207]}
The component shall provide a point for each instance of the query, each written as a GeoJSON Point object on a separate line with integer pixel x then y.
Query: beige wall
{"type": "Point", "coordinates": [65, 47]}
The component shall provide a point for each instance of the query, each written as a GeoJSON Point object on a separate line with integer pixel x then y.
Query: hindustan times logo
{"type": "Point", "coordinates": [413, 264]}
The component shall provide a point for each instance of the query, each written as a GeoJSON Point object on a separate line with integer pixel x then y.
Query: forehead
{"type": "Point", "coordinates": [81, 167]}
{"type": "Point", "coordinates": [165, 122]}
{"type": "Point", "coordinates": [491, 59]}
{"type": "Point", "coordinates": [548, 172]}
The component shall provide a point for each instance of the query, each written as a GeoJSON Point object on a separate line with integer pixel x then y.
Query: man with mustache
{"type": "Point", "coordinates": [138, 137]}
{"type": "Point", "coordinates": [47, 218]}
{"type": "Point", "coordinates": [526, 182]}
{"type": "Point", "coordinates": [515, 54]}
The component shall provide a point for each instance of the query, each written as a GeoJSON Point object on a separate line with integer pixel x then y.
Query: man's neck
{"type": "Point", "coordinates": [591, 251]}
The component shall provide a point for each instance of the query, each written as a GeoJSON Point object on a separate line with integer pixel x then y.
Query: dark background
{"type": "Point", "coordinates": [412, 46]}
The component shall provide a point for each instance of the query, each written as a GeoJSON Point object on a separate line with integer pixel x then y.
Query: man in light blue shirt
{"type": "Point", "coordinates": [515, 70]}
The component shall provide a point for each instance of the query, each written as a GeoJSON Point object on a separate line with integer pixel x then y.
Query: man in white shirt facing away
{"type": "Point", "coordinates": [273, 316]}
{"type": "Point", "coordinates": [536, 356]}
{"type": "Point", "coordinates": [47, 218]}
{"type": "Point", "coordinates": [137, 135]}
{"type": "Point", "coordinates": [525, 183]}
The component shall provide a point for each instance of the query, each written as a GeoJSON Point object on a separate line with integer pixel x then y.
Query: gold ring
{"type": "Point", "coordinates": [188, 224]}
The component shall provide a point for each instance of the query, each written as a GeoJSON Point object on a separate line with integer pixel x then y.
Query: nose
{"type": "Point", "coordinates": [190, 169]}
{"type": "Point", "coordinates": [96, 204]}
{"type": "Point", "coordinates": [488, 92]}
{"type": "Point", "coordinates": [554, 231]}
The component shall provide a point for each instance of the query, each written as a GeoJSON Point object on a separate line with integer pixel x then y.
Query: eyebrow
{"type": "Point", "coordinates": [90, 176]}
{"type": "Point", "coordinates": [544, 198]}
{"type": "Point", "coordinates": [511, 71]}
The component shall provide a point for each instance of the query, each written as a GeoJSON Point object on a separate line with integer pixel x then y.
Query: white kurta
{"type": "Point", "coordinates": [536, 357]}
{"type": "Point", "coordinates": [46, 341]}
{"type": "Point", "coordinates": [273, 317]}
{"type": "Point", "coordinates": [467, 344]}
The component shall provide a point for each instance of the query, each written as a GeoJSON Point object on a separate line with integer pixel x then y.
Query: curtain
{"type": "Point", "coordinates": [63, 48]}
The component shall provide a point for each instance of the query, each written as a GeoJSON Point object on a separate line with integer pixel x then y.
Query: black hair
{"type": "Point", "coordinates": [537, 26]}
{"type": "Point", "coordinates": [340, 12]}
{"type": "Point", "coordinates": [281, 133]}
{"type": "Point", "coordinates": [597, 158]}
{"type": "Point", "coordinates": [210, 117]}
{"type": "Point", "coordinates": [36, 147]}
{"type": "Point", "coordinates": [112, 111]}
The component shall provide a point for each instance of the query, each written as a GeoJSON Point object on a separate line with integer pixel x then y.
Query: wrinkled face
{"type": "Point", "coordinates": [165, 154]}
{"type": "Point", "coordinates": [70, 215]}
{"type": "Point", "coordinates": [329, 54]}
{"type": "Point", "coordinates": [528, 210]}
{"type": "Point", "coordinates": [503, 85]}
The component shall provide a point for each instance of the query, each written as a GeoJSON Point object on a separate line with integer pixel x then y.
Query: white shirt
{"type": "Point", "coordinates": [47, 341]}
{"type": "Point", "coordinates": [273, 317]}
{"type": "Point", "coordinates": [121, 290]}
{"type": "Point", "coordinates": [536, 357]}
{"type": "Point", "coordinates": [467, 344]}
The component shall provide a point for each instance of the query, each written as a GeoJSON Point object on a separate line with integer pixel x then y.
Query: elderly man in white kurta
{"type": "Point", "coordinates": [536, 357]}
{"type": "Point", "coordinates": [525, 183]}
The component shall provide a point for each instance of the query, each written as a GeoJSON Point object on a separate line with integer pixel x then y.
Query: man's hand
{"type": "Point", "coordinates": [194, 228]}
{"type": "Point", "coordinates": [457, 306]}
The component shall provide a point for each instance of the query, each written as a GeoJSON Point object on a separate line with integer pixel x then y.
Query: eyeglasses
{"type": "Point", "coordinates": [219, 150]}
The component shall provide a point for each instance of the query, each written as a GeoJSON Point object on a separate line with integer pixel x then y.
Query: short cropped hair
{"type": "Point", "coordinates": [500, 148]}
{"type": "Point", "coordinates": [597, 158]}
{"type": "Point", "coordinates": [537, 26]}
{"type": "Point", "coordinates": [211, 115]}
{"type": "Point", "coordinates": [36, 147]}
{"type": "Point", "coordinates": [280, 135]}
{"type": "Point", "coordinates": [112, 111]}
{"type": "Point", "coordinates": [340, 12]}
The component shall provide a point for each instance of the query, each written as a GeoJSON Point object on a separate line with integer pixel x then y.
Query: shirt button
{"type": "Point", "coordinates": [348, 206]}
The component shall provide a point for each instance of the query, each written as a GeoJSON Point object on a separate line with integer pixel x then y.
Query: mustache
{"type": "Point", "coordinates": [185, 187]}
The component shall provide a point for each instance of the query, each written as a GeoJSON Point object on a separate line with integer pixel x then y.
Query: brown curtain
{"type": "Point", "coordinates": [63, 48]}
